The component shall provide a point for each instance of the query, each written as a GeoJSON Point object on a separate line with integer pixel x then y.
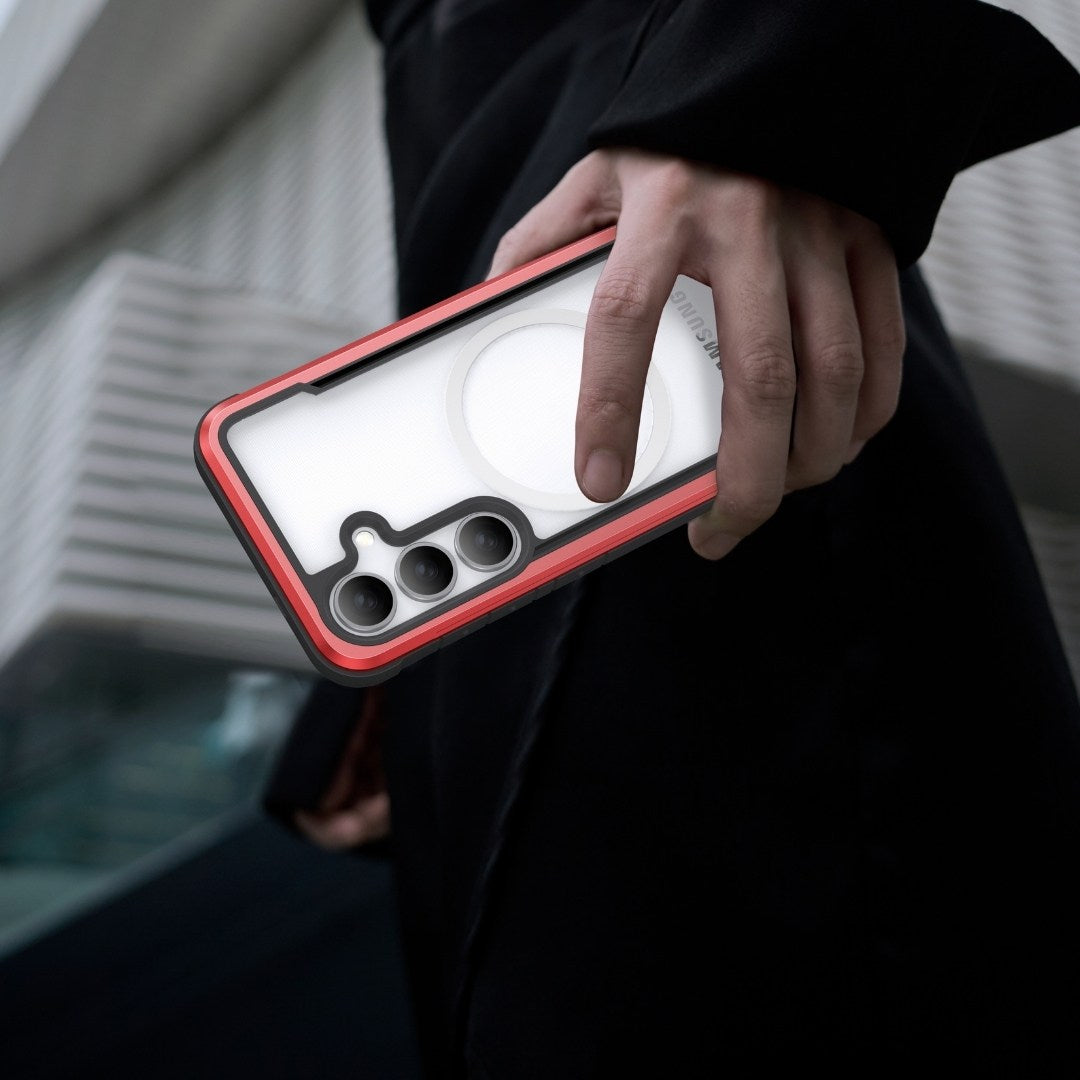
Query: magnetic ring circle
{"type": "Point", "coordinates": [509, 392]}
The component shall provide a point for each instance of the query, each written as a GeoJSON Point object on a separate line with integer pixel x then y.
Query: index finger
{"type": "Point", "coordinates": [619, 336]}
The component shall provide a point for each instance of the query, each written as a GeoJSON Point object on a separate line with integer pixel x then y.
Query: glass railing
{"type": "Point", "coordinates": [109, 754]}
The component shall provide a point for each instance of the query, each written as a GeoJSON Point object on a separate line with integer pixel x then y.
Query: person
{"type": "Point", "coordinates": [806, 789]}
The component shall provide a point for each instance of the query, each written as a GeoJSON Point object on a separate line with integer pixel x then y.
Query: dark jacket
{"type": "Point", "coordinates": [834, 779]}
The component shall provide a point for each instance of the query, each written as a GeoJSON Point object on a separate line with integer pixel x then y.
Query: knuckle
{"type": "Point", "coordinates": [611, 407]}
{"type": "Point", "coordinates": [768, 373]}
{"type": "Point", "coordinates": [587, 168]}
{"type": "Point", "coordinates": [838, 367]}
{"type": "Point", "coordinates": [754, 202]}
{"type": "Point", "coordinates": [595, 167]}
{"type": "Point", "coordinates": [620, 298]}
{"type": "Point", "coordinates": [673, 181]}
{"type": "Point", "coordinates": [889, 340]}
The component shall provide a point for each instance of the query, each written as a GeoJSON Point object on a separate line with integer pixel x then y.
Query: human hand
{"type": "Point", "coordinates": [809, 322]}
{"type": "Point", "coordinates": [356, 807]}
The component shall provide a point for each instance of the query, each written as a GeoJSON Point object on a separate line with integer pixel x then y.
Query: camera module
{"type": "Point", "coordinates": [425, 572]}
{"type": "Point", "coordinates": [364, 603]}
{"type": "Point", "coordinates": [486, 542]}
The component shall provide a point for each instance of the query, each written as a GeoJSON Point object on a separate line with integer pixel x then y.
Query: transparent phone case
{"type": "Point", "coordinates": [404, 490]}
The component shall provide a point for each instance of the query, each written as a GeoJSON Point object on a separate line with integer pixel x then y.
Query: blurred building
{"type": "Point", "coordinates": [194, 197]}
{"type": "Point", "coordinates": [235, 147]}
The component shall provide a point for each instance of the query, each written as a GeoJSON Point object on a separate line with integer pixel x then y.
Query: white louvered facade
{"type": "Point", "coordinates": [267, 251]}
{"type": "Point", "coordinates": [108, 525]}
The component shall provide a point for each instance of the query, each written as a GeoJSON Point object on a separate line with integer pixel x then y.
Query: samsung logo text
{"type": "Point", "coordinates": [696, 323]}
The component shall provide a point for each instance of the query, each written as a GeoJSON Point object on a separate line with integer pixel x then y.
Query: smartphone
{"type": "Point", "coordinates": [409, 487]}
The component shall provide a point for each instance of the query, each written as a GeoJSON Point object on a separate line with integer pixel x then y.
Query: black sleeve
{"type": "Point", "coordinates": [873, 105]}
{"type": "Point", "coordinates": [389, 19]}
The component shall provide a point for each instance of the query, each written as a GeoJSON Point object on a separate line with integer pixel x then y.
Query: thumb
{"type": "Point", "coordinates": [584, 201]}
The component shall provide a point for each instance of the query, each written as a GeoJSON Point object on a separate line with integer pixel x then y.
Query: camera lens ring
{"type": "Point", "coordinates": [371, 597]}
{"type": "Point", "coordinates": [505, 543]}
{"type": "Point", "coordinates": [438, 569]}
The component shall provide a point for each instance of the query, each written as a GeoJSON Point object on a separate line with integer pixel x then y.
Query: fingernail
{"type": "Point", "coordinates": [603, 476]}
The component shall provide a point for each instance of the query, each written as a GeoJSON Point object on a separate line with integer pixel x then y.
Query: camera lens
{"type": "Point", "coordinates": [485, 542]}
{"type": "Point", "coordinates": [425, 571]}
{"type": "Point", "coordinates": [365, 602]}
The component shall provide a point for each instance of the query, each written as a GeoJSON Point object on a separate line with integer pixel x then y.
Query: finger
{"type": "Point", "coordinates": [619, 336]}
{"type": "Point", "coordinates": [754, 333]}
{"type": "Point", "coordinates": [829, 366]}
{"type": "Point", "coordinates": [368, 820]}
{"type": "Point", "coordinates": [875, 289]}
{"type": "Point", "coordinates": [584, 201]}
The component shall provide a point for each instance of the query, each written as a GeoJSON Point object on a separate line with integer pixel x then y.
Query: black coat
{"type": "Point", "coordinates": [817, 802]}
